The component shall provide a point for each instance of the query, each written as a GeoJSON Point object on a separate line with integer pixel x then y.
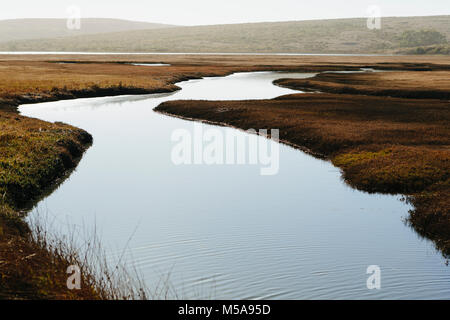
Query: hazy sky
{"type": "Point", "coordinates": [196, 12]}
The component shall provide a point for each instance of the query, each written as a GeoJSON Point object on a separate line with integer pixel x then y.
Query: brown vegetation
{"type": "Point", "coordinates": [34, 155]}
{"type": "Point", "coordinates": [29, 270]}
{"type": "Point", "coordinates": [313, 36]}
{"type": "Point", "coordinates": [403, 84]}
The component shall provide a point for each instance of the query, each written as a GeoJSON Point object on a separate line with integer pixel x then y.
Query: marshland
{"type": "Point", "coordinates": [364, 169]}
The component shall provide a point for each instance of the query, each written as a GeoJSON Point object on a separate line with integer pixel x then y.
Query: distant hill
{"type": "Point", "coordinates": [22, 29]}
{"type": "Point", "coordinates": [314, 36]}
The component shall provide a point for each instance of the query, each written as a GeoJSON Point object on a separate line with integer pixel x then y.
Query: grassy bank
{"type": "Point", "coordinates": [382, 144]}
{"type": "Point", "coordinates": [35, 156]}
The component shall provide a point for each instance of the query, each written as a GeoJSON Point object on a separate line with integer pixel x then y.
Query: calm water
{"type": "Point", "coordinates": [225, 231]}
{"type": "Point", "coordinates": [192, 53]}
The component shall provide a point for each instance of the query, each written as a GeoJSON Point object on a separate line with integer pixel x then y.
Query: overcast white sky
{"type": "Point", "coordinates": [198, 12]}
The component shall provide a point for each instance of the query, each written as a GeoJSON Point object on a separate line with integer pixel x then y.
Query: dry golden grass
{"type": "Point", "coordinates": [237, 60]}
{"type": "Point", "coordinates": [35, 157]}
{"type": "Point", "coordinates": [317, 36]}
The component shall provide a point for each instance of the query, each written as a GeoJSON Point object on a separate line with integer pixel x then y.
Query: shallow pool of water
{"type": "Point", "coordinates": [225, 231]}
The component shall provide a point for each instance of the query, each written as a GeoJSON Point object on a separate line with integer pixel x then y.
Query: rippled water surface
{"type": "Point", "coordinates": [226, 231]}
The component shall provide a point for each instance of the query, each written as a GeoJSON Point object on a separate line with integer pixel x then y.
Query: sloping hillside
{"type": "Point", "coordinates": [21, 29]}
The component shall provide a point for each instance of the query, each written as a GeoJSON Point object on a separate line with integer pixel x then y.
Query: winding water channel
{"type": "Point", "coordinates": [225, 231]}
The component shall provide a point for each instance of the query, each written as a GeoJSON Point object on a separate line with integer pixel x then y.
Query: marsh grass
{"type": "Point", "coordinates": [109, 277]}
{"type": "Point", "coordinates": [82, 247]}
{"type": "Point", "coordinates": [425, 84]}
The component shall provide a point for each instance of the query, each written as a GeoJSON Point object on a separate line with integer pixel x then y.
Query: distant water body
{"type": "Point", "coordinates": [192, 53]}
